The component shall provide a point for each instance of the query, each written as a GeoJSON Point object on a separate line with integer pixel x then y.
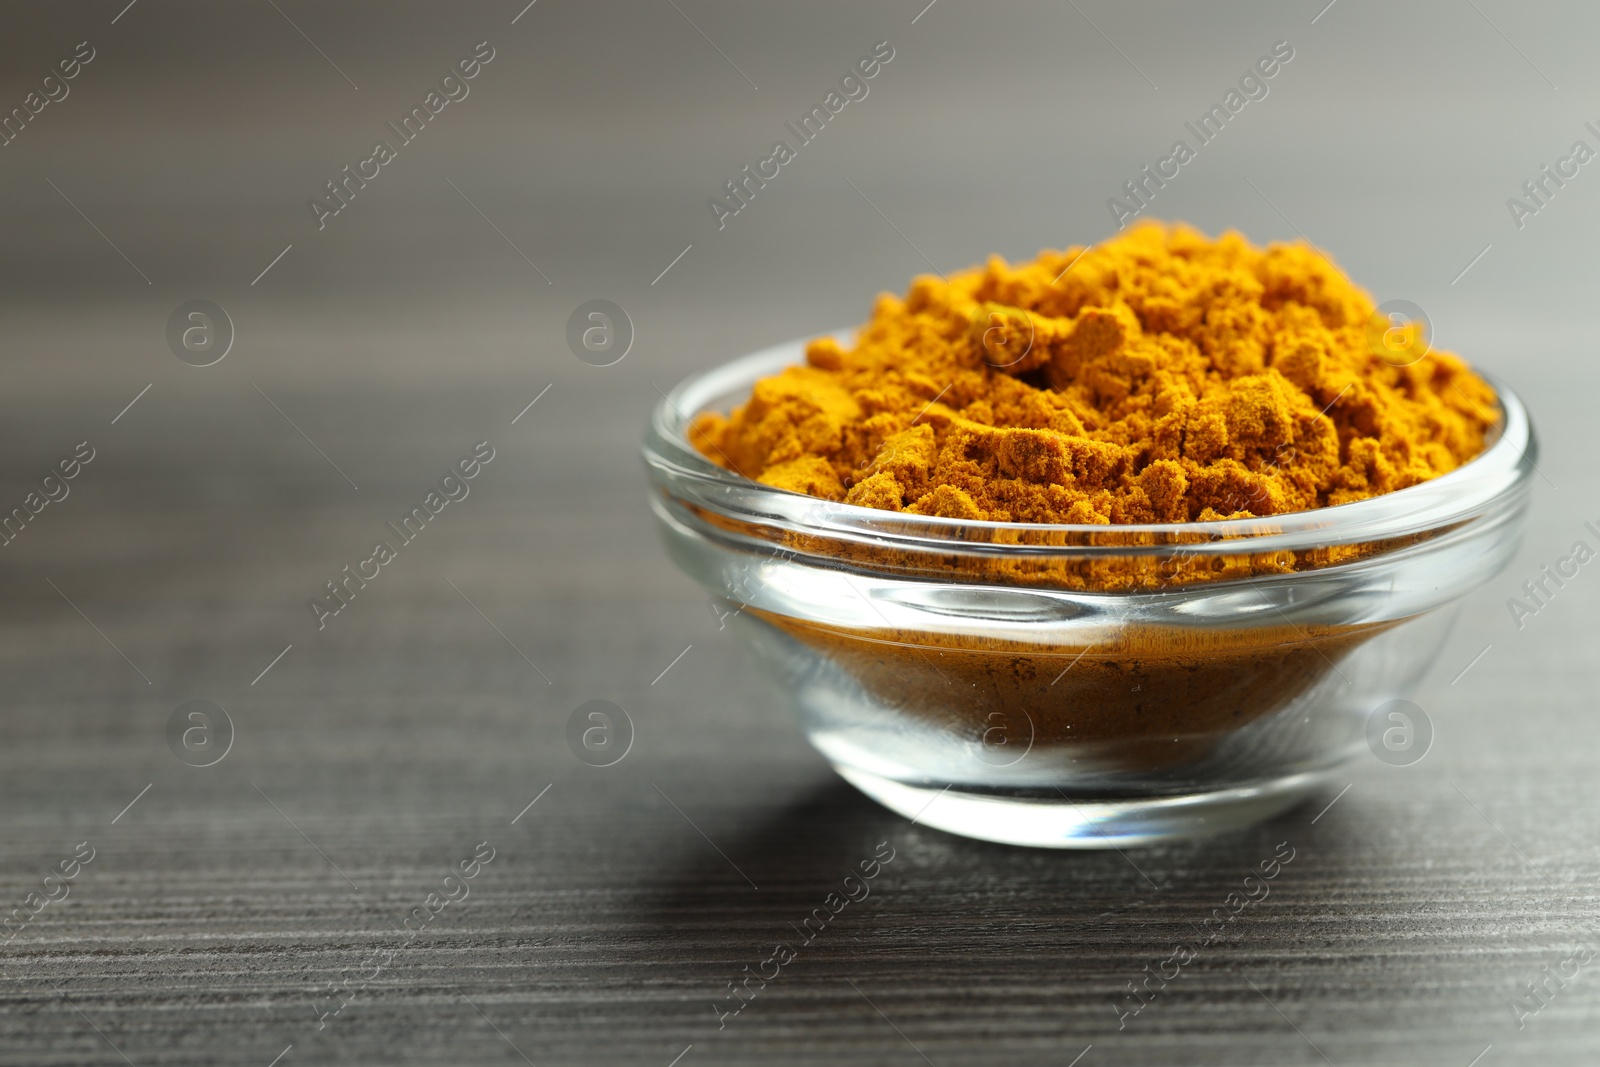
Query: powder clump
{"type": "Point", "coordinates": [1158, 377]}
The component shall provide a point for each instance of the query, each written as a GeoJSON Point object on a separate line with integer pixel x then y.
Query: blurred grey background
{"type": "Point", "coordinates": [433, 308]}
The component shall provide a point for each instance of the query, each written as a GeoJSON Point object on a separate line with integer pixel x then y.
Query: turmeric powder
{"type": "Point", "coordinates": [1158, 377]}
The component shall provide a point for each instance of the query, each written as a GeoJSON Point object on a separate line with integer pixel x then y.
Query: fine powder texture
{"type": "Point", "coordinates": [1158, 377]}
{"type": "Point", "coordinates": [1152, 698]}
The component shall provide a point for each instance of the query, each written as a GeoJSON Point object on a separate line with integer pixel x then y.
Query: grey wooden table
{"type": "Point", "coordinates": [295, 899]}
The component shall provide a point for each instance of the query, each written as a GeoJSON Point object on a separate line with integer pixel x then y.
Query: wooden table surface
{"type": "Point", "coordinates": [256, 908]}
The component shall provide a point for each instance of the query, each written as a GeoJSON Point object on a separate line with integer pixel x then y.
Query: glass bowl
{"type": "Point", "coordinates": [1078, 686]}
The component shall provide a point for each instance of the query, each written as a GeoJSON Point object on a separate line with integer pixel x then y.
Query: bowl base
{"type": "Point", "coordinates": [1063, 823]}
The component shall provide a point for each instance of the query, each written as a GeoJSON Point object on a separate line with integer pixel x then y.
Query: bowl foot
{"type": "Point", "coordinates": [1042, 822]}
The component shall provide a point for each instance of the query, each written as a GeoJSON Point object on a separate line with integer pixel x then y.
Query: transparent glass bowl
{"type": "Point", "coordinates": [1083, 686]}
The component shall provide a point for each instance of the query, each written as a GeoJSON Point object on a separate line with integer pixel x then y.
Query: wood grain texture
{"type": "Point", "coordinates": [413, 727]}
{"type": "Point", "coordinates": [607, 924]}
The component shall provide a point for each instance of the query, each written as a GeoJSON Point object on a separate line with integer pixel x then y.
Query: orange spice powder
{"type": "Point", "coordinates": [1158, 377]}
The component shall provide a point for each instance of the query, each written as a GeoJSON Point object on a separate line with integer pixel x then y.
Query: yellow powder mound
{"type": "Point", "coordinates": [1158, 377]}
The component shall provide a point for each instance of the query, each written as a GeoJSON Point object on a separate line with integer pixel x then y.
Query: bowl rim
{"type": "Point", "coordinates": [1499, 474]}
